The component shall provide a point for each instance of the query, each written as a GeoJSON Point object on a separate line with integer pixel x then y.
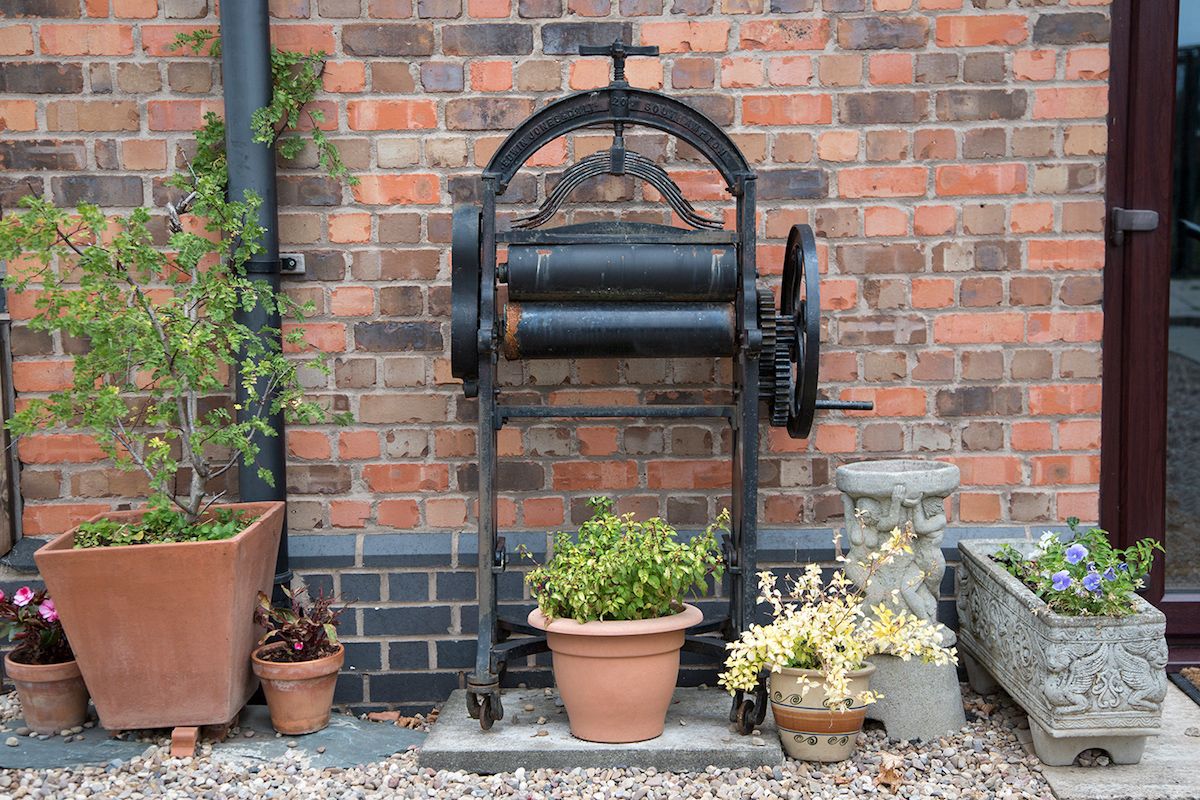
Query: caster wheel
{"type": "Point", "coordinates": [744, 717]}
{"type": "Point", "coordinates": [487, 714]}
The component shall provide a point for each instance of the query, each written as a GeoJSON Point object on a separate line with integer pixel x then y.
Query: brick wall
{"type": "Point", "coordinates": [948, 152]}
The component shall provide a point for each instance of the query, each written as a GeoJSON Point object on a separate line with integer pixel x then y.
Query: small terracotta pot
{"type": "Point", "coordinates": [617, 678]}
{"type": "Point", "coordinates": [811, 727]}
{"type": "Point", "coordinates": [299, 694]}
{"type": "Point", "coordinates": [53, 696]}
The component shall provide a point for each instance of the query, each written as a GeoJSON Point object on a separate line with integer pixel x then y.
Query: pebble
{"type": "Point", "coordinates": [1192, 731]}
{"type": "Point", "coordinates": [12, 741]}
{"type": "Point", "coordinates": [321, 749]}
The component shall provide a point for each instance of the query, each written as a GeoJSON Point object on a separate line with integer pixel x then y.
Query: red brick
{"type": "Point", "coordinates": [144, 154]}
{"type": "Point", "coordinates": [57, 448]}
{"type": "Point", "coordinates": [352, 301]}
{"type": "Point", "coordinates": [1083, 505]}
{"type": "Point", "coordinates": [997, 470]}
{"type": "Point", "coordinates": [358, 444]}
{"type": "Point", "coordinates": [1087, 64]}
{"type": "Point", "coordinates": [42, 520]}
{"type": "Point", "coordinates": [833, 438]}
{"type": "Point", "coordinates": [688, 475]}
{"type": "Point", "coordinates": [784, 34]}
{"type": "Point", "coordinates": [16, 40]}
{"type": "Point", "coordinates": [1065, 326]}
{"type": "Point", "coordinates": [790, 70]}
{"type": "Point", "coordinates": [543, 512]}
{"type": "Point", "coordinates": [488, 9]}
{"type": "Point", "coordinates": [1059, 469]}
{"type": "Point", "coordinates": [932, 292]}
{"type": "Point", "coordinates": [890, 68]}
{"type": "Point", "coordinates": [157, 40]}
{"type": "Point", "coordinates": [1032, 218]}
{"type": "Point", "coordinates": [179, 115]}
{"type": "Point", "coordinates": [934, 220]}
{"type": "Point", "coordinates": [328, 337]}
{"type": "Point", "coordinates": [344, 76]}
{"type": "Point", "coordinates": [794, 109]}
{"type": "Point", "coordinates": [86, 40]}
{"type": "Point", "coordinates": [492, 76]}
{"type": "Point", "coordinates": [135, 9]}
{"type": "Point", "coordinates": [978, 507]}
{"type": "Point", "coordinates": [1032, 436]}
{"type": "Point", "coordinates": [42, 376]}
{"type": "Point", "coordinates": [982, 179]}
{"type": "Point", "coordinates": [594, 476]}
{"type": "Point", "coordinates": [1059, 254]}
{"type": "Point", "coordinates": [983, 29]}
{"type": "Point", "coordinates": [391, 115]}
{"type": "Point", "coordinates": [406, 478]}
{"type": "Point", "coordinates": [882, 182]}
{"type": "Point", "coordinates": [349, 513]}
{"type": "Point", "coordinates": [740, 72]}
{"type": "Point", "coordinates": [1076, 102]}
{"type": "Point", "coordinates": [976, 327]}
{"type": "Point", "coordinates": [399, 514]}
{"type": "Point", "coordinates": [408, 189]}
{"type": "Point", "coordinates": [885, 221]}
{"type": "Point", "coordinates": [345, 228]}
{"type": "Point", "coordinates": [1070, 398]}
{"type": "Point", "coordinates": [900, 401]}
{"type": "Point", "coordinates": [597, 441]}
{"type": "Point", "coordinates": [303, 38]}
{"type": "Point", "coordinates": [311, 445]}
{"type": "Point", "coordinates": [1035, 65]}
{"type": "Point", "coordinates": [687, 37]}
{"type": "Point", "coordinates": [445, 512]}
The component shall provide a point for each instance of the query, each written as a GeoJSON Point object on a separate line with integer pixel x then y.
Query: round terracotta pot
{"type": "Point", "coordinates": [616, 678]}
{"type": "Point", "coordinates": [53, 696]}
{"type": "Point", "coordinates": [299, 694]}
{"type": "Point", "coordinates": [811, 727]}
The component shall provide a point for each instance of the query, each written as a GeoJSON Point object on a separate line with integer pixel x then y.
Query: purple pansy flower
{"type": "Point", "coordinates": [1062, 580]}
{"type": "Point", "coordinates": [1110, 574]}
{"type": "Point", "coordinates": [23, 596]}
{"type": "Point", "coordinates": [1076, 553]}
{"type": "Point", "coordinates": [1123, 567]}
{"type": "Point", "coordinates": [48, 611]}
{"type": "Point", "coordinates": [1091, 582]}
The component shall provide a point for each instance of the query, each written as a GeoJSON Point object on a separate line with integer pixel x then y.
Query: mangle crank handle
{"type": "Point", "coordinates": [847, 405]}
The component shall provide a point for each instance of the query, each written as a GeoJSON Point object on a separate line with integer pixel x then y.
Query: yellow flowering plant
{"type": "Point", "coordinates": [829, 628]}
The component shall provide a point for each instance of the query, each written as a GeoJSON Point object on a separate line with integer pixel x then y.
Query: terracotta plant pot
{"type": "Point", "coordinates": [161, 631]}
{"type": "Point", "coordinates": [812, 728]}
{"type": "Point", "coordinates": [53, 696]}
{"type": "Point", "coordinates": [616, 678]}
{"type": "Point", "coordinates": [299, 694]}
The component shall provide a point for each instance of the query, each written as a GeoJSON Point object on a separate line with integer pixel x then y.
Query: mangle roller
{"type": "Point", "coordinates": [629, 290]}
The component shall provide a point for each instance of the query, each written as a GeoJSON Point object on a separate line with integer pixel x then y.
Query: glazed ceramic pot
{"type": "Point", "coordinates": [616, 678]}
{"type": "Point", "coordinates": [299, 693]}
{"type": "Point", "coordinates": [161, 631]}
{"type": "Point", "coordinates": [811, 727]}
{"type": "Point", "coordinates": [53, 696]}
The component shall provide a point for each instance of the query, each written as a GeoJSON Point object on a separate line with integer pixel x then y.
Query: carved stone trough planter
{"type": "Point", "coordinates": [1085, 682]}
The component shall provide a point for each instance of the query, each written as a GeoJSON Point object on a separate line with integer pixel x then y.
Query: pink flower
{"type": "Point", "coordinates": [2, 596]}
{"type": "Point", "coordinates": [48, 611]}
{"type": "Point", "coordinates": [298, 646]}
{"type": "Point", "coordinates": [23, 596]}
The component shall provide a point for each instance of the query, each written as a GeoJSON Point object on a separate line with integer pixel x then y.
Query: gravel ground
{"type": "Point", "coordinates": [984, 760]}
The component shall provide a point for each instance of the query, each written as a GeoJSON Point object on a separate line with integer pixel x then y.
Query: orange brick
{"type": "Point", "coordinates": [785, 34]}
{"type": "Point", "coordinates": [543, 512]}
{"type": "Point", "coordinates": [358, 444]}
{"type": "Point", "coordinates": [488, 9]}
{"type": "Point", "coordinates": [391, 115]}
{"type": "Point", "coordinates": [1084, 505]}
{"type": "Point", "coordinates": [400, 514]}
{"type": "Point", "coordinates": [135, 9]}
{"type": "Point", "coordinates": [179, 115]}
{"type": "Point", "coordinates": [1071, 254]}
{"type": "Point", "coordinates": [932, 292]}
{"type": "Point", "coordinates": [790, 70]}
{"type": "Point", "coordinates": [970, 179]}
{"type": "Point", "coordinates": [344, 76]}
{"type": "Point", "coordinates": [885, 221]}
{"type": "Point", "coordinates": [1065, 326]}
{"type": "Point", "coordinates": [597, 441]}
{"type": "Point", "coordinates": [552, 154]}
{"type": "Point", "coordinates": [18, 115]}
{"type": "Point", "coordinates": [86, 40]}
{"type": "Point", "coordinates": [940, 5]}
{"type": "Point", "coordinates": [687, 37]}
{"type": "Point", "coordinates": [984, 29]}
{"type": "Point", "coordinates": [42, 376]}
{"type": "Point", "coordinates": [42, 520]}
{"type": "Point", "coordinates": [303, 38]}
{"type": "Point", "coordinates": [144, 154]}
{"type": "Point", "coordinates": [491, 76]}
{"type": "Point", "coordinates": [1071, 469]}
{"type": "Point", "coordinates": [352, 301]}
{"type": "Point", "coordinates": [794, 109]}
{"type": "Point", "coordinates": [979, 328]}
{"type": "Point", "coordinates": [934, 220]}
{"type": "Point", "coordinates": [644, 73]}
{"type": "Point", "coordinates": [1079, 434]}
{"type": "Point", "coordinates": [345, 228]}
{"type": "Point", "coordinates": [589, 73]}
{"type": "Point", "coordinates": [16, 40]}
{"type": "Point", "coordinates": [1087, 64]}
{"type": "Point", "coordinates": [988, 470]}
{"type": "Point", "coordinates": [349, 513]}
{"type": "Point", "coordinates": [1032, 218]}
{"type": "Point", "coordinates": [58, 448]}
{"type": "Point", "coordinates": [839, 146]}
{"type": "Point", "coordinates": [328, 337]}
{"type": "Point", "coordinates": [882, 182]}
{"type": "Point", "coordinates": [688, 475]}
{"type": "Point", "coordinates": [900, 401]}
{"type": "Point", "coordinates": [445, 512]}
{"type": "Point", "coordinates": [311, 445]}
{"type": "Point", "coordinates": [837, 295]}
{"type": "Point", "coordinates": [892, 5]}
{"type": "Point", "coordinates": [157, 40]}
{"type": "Point", "coordinates": [740, 72]}
{"type": "Point", "coordinates": [1070, 398]}
{"type": "Point", "coordinates": [1035, 65]}
{"type": "Point", "coordinates": [406, 478]}
{"type": "Point", "coordinates": [1075, 102]}
{"type": "Point", "coordinates": [1032, 436]}
{"type": "Point", "coordinates": [408, 189]}
{"type": "Point", "coordinates": [594, 476]}
{"type": "Point", "coordinates": [890, 68]}
{"type": "Point", "coordinates": [978, 507]}
{"type": "Point", "coordinates": [837, 438]}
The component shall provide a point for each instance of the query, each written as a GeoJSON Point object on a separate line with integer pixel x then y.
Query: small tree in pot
{"type": "Point", "coordinates": [42, 666]}
{"type": "Point", "coordinates": [154, 300]}
{"type": "Point", "coordinates": [298, 659]}
{"type": "Point", "coordinates": [815, 654]}
{"type": "Point", "coordinates": [611, 604]}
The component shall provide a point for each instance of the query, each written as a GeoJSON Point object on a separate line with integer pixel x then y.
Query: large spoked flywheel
{"type": "Point", "coordinates": [466, 248]}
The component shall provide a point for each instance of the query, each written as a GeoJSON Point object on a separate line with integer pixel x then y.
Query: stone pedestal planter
{"type": "Point", "coordinates": [920, 701]}
{"type": "Point", "coordinates": [1085, 682]}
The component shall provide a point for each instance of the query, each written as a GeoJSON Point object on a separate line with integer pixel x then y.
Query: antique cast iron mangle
{"type": "Point", "coordinates": [618, 289]}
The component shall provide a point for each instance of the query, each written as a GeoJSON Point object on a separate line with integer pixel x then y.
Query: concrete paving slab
{"type": "Point", "coordinates": [697, 736]}
{"type": "Point", "coordinates": [347, 742]}
{"type": "Point", "coordinates": [1167, 770]}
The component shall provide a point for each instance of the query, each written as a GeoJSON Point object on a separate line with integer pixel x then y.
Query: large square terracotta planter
{"type": "Point", "coordinates": [163, 632]}
{"type": "Point", "coordinates": [1084, 681]}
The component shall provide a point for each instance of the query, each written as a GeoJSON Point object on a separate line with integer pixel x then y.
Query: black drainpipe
{"type": "Point", "coordinates": [246, 70]}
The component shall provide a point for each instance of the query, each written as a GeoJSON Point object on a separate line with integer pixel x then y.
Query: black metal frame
{"type": "Point", "coordinates": [476, 275]}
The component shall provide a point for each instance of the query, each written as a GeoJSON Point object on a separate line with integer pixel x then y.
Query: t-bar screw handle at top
{"type": "Point", "coordinates": [618, 51]}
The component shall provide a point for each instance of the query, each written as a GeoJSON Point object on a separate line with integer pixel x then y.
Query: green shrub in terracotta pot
{"type": "Point", "coordinates": [611, 601]}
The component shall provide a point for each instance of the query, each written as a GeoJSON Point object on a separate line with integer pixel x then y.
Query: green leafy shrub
{"type": "Point", "coordinates": [1083, 575]}
{"type": "Point", "coordinates": [159, 314]}
{"type": "Point", "coordinates": [618, 568]}
{"type": "Point", "coordinates": [160, 525]}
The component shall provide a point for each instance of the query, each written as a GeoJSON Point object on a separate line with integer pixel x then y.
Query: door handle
{"type": "Point", "coordinates": [1130, 219]}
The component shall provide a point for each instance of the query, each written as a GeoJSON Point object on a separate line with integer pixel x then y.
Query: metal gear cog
{"type": "Point", "coordinates": [766, 322]}
{"type": "Point", "coordinates": [783, 385]}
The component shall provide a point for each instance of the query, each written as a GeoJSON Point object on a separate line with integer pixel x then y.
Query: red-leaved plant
{"type": "Point", "coordinates": [307, 631]}
{"type": "Point", "coordinates": [30, 618]}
